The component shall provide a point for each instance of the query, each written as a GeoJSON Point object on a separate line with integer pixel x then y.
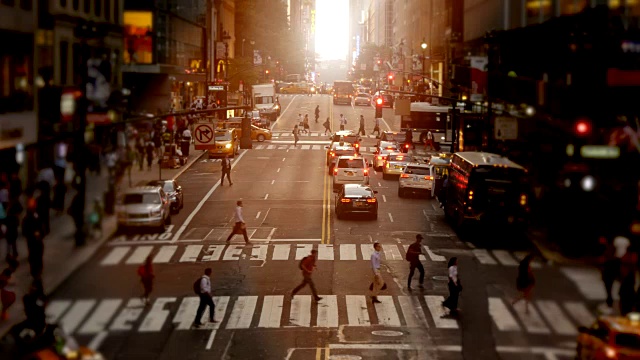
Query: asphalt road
{"type": "Point", "coordinates": [288, 208]}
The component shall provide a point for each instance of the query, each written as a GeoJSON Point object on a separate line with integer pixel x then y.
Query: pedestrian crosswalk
{"type": "Point", "coordinates": [302, 146]}
{"type": "Point", "coordinates": [321, 134]}
{"type": "Point", "coordinates": [180, 253]}
{"type": "Point", "coordinates": [94, 316]}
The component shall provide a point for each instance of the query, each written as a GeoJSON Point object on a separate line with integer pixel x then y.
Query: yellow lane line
{"type": "Point", "coordinates": [326, 353]}
{"type": "Point", "coordinates": [318, 353]}
{"type": "Point", "coordinates": [329, 195]}
{"type": "Point", "coordinates": [324, 213]}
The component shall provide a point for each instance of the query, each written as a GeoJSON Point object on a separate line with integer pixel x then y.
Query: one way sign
{"type": "Point", "coordinates": [203, 136]}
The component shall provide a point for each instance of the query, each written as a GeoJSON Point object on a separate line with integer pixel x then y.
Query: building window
{"type": "Point", "coordinates": [87, 6]}
{"type": "Point", "coordinates": [107, 9]}
{"type": "Point", "coordinates": [26, 4]}
{"type": "Point", "coordinates": [76, 5]}
{"type": "Point", "coordinates": [138, 37]}
{"type": "Point", "coordinates": [64, 61]}
{"type": "Point", "coordinates": [98, 9]}
{"type": "Point", "coordinates": [8, 2]}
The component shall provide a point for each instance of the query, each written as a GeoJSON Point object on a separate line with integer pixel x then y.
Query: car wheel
{"type": "Point", "coordinates": [260, 137]}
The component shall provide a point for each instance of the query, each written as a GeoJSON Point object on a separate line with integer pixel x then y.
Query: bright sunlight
{"type": "Point", "coordinates": [332, 29]}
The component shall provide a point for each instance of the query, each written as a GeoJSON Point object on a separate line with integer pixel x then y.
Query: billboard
{"type": "Point", "coordinates": [138, 37]}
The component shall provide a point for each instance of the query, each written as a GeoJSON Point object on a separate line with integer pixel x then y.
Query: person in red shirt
{"type": "Point", "coordinates": [307, 265]}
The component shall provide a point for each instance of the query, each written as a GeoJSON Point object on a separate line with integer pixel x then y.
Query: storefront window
{"type": "Point", "coordinates": [539, 10]}
{"type": "Point", "coordinates": [138, 30]}
{"type": "Point", "coordinates": [568, 7]}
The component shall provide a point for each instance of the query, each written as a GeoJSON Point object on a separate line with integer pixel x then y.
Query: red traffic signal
{"type": "Point", "coordinates": [379, 101]}
{"type": "Point", "coordinates": [582, 127]}
{"type": "Point", "coordinates": [266, 72]}
{"type": "Point", "coordinates": [390, 76]}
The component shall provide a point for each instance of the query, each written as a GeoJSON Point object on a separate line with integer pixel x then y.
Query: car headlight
{"type": "Point", "coordinates": [228, 146]}
{"type": "Point", "coordinates": [157, 212]}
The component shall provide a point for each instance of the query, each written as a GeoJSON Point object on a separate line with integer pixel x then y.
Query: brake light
{"type": "Point", "coordinates": [366, 172]}
{"type": "Point", "coordinates": [345, 200]}
{"type": "Point", "coordinates": [610, 353]}
{"type": "Point", "coordinates": [404, 176]}
{"type": "Point", "coordinates": [371, 200]}
{"type": "Point", "coordinates": [335, 171]}
{"type": "Point", "coordinates": [387, 165]}
{"type": "Point", "coordinates": [333, 154]}
{"type": "Point", "coordinates": [471, 195]}
{"type": "Point", "coordinates": [428, 177]}
{"type": "Point", "coordinates": [357, 145]}
{"type": "Point", "coordinates": [406, 146]}
{"type": "Point", "coordinates": [523, 199]}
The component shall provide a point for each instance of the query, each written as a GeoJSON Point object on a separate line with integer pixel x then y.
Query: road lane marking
{"type": "Point", "coordinates": [73, 318]}
{"type": "Point", "coordinates": [387, 312]}
{"type": "Point", "coordinates": [195, 211]}
{"type": "Point", "coordinates": [186, 313]}
{"type": "Point", "coordinates": [325, 252]}
{"type": "Point", "coordinates": [483, 257]}
{"type": "Point", "coordinates": [434, 303]}
{"type": "Point", "coordinates": [271, 311]}
{"type": "Point", "coordinates": [157, 316]}
{"type": "Point", "coordinates": [588, 281]}
{"type": "Point", "coordinates": [433, 256]}
{"type": "Point", "coordinates": [266, 196]}
{"type": "Point", "coordinates": [281, 252]}
{"type": "Point", "coordinates": [366, 250]}
{"type": "Point", "coordinates": [532, 321]}
{"type": "Point", "coordinates": [213, 253]}
{"type": "Point", "coordinates": [55, 309]}
{"type": "Point", "coordinates": [258, 214]}
{"type": "Point", "coordinates": [191, 253]}
{"type": "Point", "coordinates": [390, 217]}
{"type": "Point", "coordinates": [303, 250]}
{"type": "Point", "coordinates": [259, 252]}
{"type": "Point", "coordinates": [100, 317]}
{"type": "Point", "coordinates": [300, 314]}
{"type": "Point", "coordinates": [165, 254]}
{"type": "Point", "coordinates": [115, 255]}
{"type": "Point", "coordinates": [412, 311]}
{"type": "Point", "coordinates": [271, 147]}
{"type": "Point", "coordinates": [519, 255]}
{"type": "Point", "coordinates": [348, 252]}
{"type": "Point", "coordinates": [560, 324]}
{"type": "Point", "coordinates": [97, 340]}
{"type": "Point", "coordinates": [128, 316]}
{"type": "Point", "coordinates": [392, 253]}
{"type": "Point", "coordinates": [212, 336]}
{"type": "Point", "coordinates": [283, 159]}
{"type": "Point", "coordinates": [273, 182]}
{"type": "Point", "coordinates": [379, 184]}
{"type": "Point", "coordinates": [501, 316]}
{"type": "Point", "coordinates": [384, 198]}
{"type": "Point", "coordinates": [242, 312]}
{"type": "Point", "coordinates": [504, 258]}
{"type": "Point", "coordinates": [579, 313]}
{"type": "Point", "coordinates": [357, 312]}
{"type": "Point", "coordinates": [278, 170]}
{"type": "Point", "coordinates": [233, 252]}
{"type": "Point", "coordinates": [328, 311]}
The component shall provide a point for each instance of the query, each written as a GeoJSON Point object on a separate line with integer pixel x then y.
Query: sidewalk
{"type": "Point", "coordinates": [61, 257]}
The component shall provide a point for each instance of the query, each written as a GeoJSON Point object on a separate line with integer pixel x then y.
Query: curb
{"type": "Point", "coordinates": [89, 251]}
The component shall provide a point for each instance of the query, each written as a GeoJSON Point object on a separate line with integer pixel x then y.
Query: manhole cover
{"type": "Point", "coordinates": [345, 357]}
{"type": "Point", "coordinates": [387, 333]}
{"type": "Point", "coordinates": [440, 278]}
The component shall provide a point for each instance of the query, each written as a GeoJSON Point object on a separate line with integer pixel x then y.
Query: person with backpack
{"type": "Point", "coordinates": [307, 265]}
{"type": "Point", "coordinates": [145, 271]}
{"type": "Point", "coordinates": [413, 257]}
{"type": "Point", "coordinates": [202, 288]}
{"type": "Point", "coordinates": [327, 126]}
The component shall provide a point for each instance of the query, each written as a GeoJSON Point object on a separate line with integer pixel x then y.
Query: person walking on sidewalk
{"type": "Point", "coordinates": [413, 257]}
{"type": "Point", "coordinates": [327, 126]}
{"type": "Point", "coordinates": [150, 148]}
{"type": "Point", "coordinates": [202, 287]}
{"type": "Point", "coordinates": [32, 230]}
{"type": "Point", "coordinates": [361, 129]}
{"type": "Point", "coordinates": [140, 149]}
{"type": "Point", "coordinates": [307, 265]}
{"type": "Point", "coordinates": [343, 121]}
{"type": "Point", "coordinates": [12, 222]}
{"type": "Point", "coordinates": [226, 170]}
{"type": "Point", "coordinates": [296, 135]}
{"type": "Point", "coordinates": [525, 282]}
{"type": "Point", "coordinates": [376, 127]}
{"type": "Point", "coordinates": [240, 227]}
{"type": "Point", "coordinates": [145, 271]}
{"type": "Point", "coordinates": [455, 287]}
{"type": "Point", "coordinates": [317, 113]}
{"type": "Point", "coordinates": [378, 283]}
{"type": "Point", "coordinates": [186, 138]}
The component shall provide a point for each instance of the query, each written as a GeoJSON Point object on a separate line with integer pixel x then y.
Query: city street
{"type": "Point", "coordinates": [289, 210]}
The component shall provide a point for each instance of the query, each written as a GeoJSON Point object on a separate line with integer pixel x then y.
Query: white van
{"type": "Point", "coordinates": [350, 170]}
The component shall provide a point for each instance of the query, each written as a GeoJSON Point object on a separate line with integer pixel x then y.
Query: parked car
{"type": "Point", "coordinates": [144, 206]}
{"type": "Point", "coordinates": [173, 191]}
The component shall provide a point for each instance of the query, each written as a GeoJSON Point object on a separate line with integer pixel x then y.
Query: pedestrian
{"type": "Point", "coordinates": [408, 139]}
{"type": "Point", "coordinates": [327, 126]}
{"type": "Point", "coordinates": [145, 271]}
{"type": "Point", "coordinates": [361, 129]}
{"type": "Point", "coordinates": [376, 128]}
{"type": "Point", "coordinates": [305, 123]}
{"type": "Point", "coordinates": [300, 122]}
{"type": "Point", "coordinates": [317, 113]}
{"type": "Point", "coordinates": [12, 222]}
{"type": "Point", "coordinates": [96, 217]}
{"type": "Point", "coordinates": [378, 283]}
{"type": "Point", "coordinates": [226, 170]}
{"type": "Point", "coordinates": [43, 206]}
{"type": "Point", "coordinates": [525, 282]}
{"type": "Point", "coordinates": [240, 227]}
{"type": "Point", "coordinates": [343, 121]}
{"type": "Point", "coordinates": [150, 149]}
{"type": "Point", "coordinates": [130, 158]}
{"type": "Point", "coordinates": [140, 151]}
{"type": "Point", "coordinates": [202, 287]}
{"type": "Point", "coordinates": [32, 230]}
{"type": "Point", "coordinates": [307, 265]}
{"type": "Point", "coordinates": [610, 270]}
{"type": "Point", "coordinates": [186, 138]}
{"type": "Point", "coordinates": [413, 257]}
{"type": "Point", "coordinates": [296, 135]}
{"type": "Point", "coordinates": [34, 303]}
{"type": "Point", "coordinates": [442, 195]}
{"type": "Point", "coordinates": [429, 141]}
{"type": "Point", "coordinates": [455, 287]}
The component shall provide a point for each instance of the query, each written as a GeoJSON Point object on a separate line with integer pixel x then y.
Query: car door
{"type": "Point", "coordinates": [435, 185]}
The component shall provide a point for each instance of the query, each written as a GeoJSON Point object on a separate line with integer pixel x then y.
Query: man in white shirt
{"type": "Point", "coordinates": [205, 298]}
{"type": "Point", "coordinates": [377, 276]}
{"type": "Point", "coordinates": [240, 227]}
{"type": "Point", "coordinates": [343, 121]}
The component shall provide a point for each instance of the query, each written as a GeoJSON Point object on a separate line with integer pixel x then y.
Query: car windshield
{"type": "Point", "coordinates": [416, 170]}
{"type": "Point", "coordinates": [349, 151]}
{"type": "Point", "coordinates": [351, 163]}
{"type": "Point", "coordinates": [261, 100]}
{"type": "Point", "coordinates": [167, 186]}
{"type": "Point", "coordinates": [441, 170]}
{"type": "Point", "coordinates": [145, 198]}
{"type": "Point", "coordinates": [358, 192]}
{"type": "Point", "coordinates": [628, 340]}
{"type": "Point", "coordinates": [223, 136]}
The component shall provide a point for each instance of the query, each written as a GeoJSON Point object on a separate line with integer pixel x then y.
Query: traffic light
{"type": "Point", "coordinates": [378, 108]}
{"type": "Point", "coordinates": [390, 77]}
{"type": "Point", "coordinates": [582, 127]}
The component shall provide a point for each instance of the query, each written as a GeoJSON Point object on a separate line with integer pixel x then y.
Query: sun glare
{"type": "Point", "coordinates": [332, 29]}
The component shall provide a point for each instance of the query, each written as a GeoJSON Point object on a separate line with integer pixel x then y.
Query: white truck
{"type": "Point", "coordinates": [263, 97]}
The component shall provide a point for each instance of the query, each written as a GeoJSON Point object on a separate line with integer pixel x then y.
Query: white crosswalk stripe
{"type": "Point", "coordinates": [302, 147]}
{"type": "Point", "coordinates": [163, 254]}
{"type": "Point", "coordinates": [588, 281]}
{"type": "Point", "coordinates": [92, 316]}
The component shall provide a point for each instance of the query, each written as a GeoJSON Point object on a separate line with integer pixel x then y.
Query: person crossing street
{"type": "Point", "coordinates": [361, 129]}
{"type": "Point", "coordinates": [317, 113]}
{"type": "Point", "coordinates": [226, 170]}
{"type": "Point", "coordinates": [240, 227]}
{"type": "Point", "coordinates": [307, 265]}
{"type": "Point", "coordinates": [327, 126]}
{"type": "Point", "coordinates": [343, 121]}
{"type": "Point", "coordinates": [378, 282]}
{"type": "Point", "coordinates": [202, 287]}
{"type": "Point", "coordinates": [413, 257]}
{"type": "Point", "coordinates": [376, 128]}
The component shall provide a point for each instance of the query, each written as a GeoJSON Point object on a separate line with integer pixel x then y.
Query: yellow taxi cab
{"type": "Point", "coordinates": [257, 133]}
{"type": "Point", "coordinates": [610, 338]}
{"type": "Point", "coordinates": [297, 88]}
{"type": "Point", "coordinates": [227, 142]}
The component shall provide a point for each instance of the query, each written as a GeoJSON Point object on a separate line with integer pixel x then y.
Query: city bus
{"type": "Point", "coordinates": [343, 92]}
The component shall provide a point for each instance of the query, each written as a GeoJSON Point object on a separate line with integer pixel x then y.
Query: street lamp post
{"type": "Point", "coordinates": [424, 59]}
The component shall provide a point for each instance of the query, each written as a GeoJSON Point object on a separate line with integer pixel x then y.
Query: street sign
{"type": "Point", "coordinates": [506, 128]}
{"type": "Point", "coordinates": [203, 136]}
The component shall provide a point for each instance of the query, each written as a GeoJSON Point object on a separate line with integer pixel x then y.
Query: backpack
{"type": "Point", "coordinates": [301, 261]}
{"type": "Point", "coordinates": [196, 286]}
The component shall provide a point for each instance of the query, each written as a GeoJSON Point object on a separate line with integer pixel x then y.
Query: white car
{"type": "Point", "coordinates": [144, 206]}
{"type": "Point", "coordinates": [416, 177]}
{"type": "Point", "coordinates": [350, 170]}
{"type": "Point", "coordinates": [384, 148]}
{"type": "Point", "coordinates": [362, 99]}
